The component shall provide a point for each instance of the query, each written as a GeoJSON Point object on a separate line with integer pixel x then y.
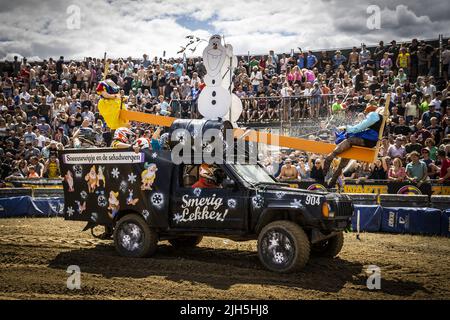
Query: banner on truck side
{"type": "Point", "coordinates": [103, 158]}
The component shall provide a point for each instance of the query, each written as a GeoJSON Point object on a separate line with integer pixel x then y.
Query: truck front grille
{"type": "Point", "coordinates": [343, 209]}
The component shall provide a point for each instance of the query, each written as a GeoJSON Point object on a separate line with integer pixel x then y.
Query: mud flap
{"type": "Point", "coordinates": [89, 225]}
{"type": "Point", "coordinates": [317, 236]}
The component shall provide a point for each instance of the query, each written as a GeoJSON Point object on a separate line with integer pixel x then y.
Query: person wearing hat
{"type": "Point", "coordinates": [338, 59]}
{"type": "Point", "coordinates": [426, 116]}
{"type": "Point", "coordinates": [363, 134]}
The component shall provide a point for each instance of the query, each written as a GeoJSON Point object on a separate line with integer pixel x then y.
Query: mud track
{"type": "Point", "coordinates": [35, 254]}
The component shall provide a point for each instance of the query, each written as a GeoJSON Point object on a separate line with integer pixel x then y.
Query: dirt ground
{"type": "Point", "coordinates": [35, 254]}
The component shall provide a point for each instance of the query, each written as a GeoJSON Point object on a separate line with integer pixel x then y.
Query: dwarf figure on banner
{"type": "Point", "coordinates": [148, 176]}
{"type": "Point", "coordinates": [91, 179]}
{"type": "Point", "coordinates": [114, 205]}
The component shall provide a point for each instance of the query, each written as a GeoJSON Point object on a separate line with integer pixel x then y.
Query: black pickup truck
{"type": "Point", "coordinates": [147, 198]}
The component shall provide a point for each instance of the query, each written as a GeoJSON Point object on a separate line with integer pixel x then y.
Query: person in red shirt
{"type": "Point", "coordinates": [445, 166]}
{"type": "Point", "coordinates": [207, 177]}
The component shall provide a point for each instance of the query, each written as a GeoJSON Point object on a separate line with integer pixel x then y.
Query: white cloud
{"type": "Point", "coordinates": [131, 28]}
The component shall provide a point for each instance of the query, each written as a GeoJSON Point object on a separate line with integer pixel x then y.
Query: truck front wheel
{"type": "Point", "coordinates": [134, 238]}
{"type": "Point", "coordinates": [329, 248]}
{"type": "Point", "coordinates": [283, 247]}
{"type": "Point", "coordinates": [185, 242]}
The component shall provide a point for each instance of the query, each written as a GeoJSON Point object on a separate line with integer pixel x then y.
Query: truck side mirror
{"type": "Point", "coordinates": [228, 184]}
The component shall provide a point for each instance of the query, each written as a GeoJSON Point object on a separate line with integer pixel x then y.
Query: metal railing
{"type": "Point", "coordinates": [269, 109]}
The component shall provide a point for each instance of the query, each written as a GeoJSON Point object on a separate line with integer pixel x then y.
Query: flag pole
{"type": "Point", "coordinates": [105, 73]}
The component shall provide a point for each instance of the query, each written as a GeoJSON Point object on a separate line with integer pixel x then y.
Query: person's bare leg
{"type": "Point", "coordinates": [341, 147]}
{"type": "Point", "coordinates": [342, 164]}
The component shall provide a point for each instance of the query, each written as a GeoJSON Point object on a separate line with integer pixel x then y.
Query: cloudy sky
{"type": "Point", "coordinates": [79, 28]}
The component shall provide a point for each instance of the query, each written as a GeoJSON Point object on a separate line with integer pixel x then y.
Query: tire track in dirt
{"type": "Point", "coordinates": [35, 253]}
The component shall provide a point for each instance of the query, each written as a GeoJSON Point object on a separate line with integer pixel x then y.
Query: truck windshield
{"type": "Point", "coordinates": [253, 173]}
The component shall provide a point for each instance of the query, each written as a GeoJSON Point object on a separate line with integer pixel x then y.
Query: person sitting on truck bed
{"type": "Point", "coordinates": [208, 178]}
{"type": "Point", "coordinates": [123, 138]}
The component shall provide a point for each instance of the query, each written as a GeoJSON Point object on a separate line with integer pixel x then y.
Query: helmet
{"type": "Point", "coordinates": [143, 143]}
{"type": "Point", "coordinates": [123, 135]}
{"type": "Point", "coordinates": [208, 172]}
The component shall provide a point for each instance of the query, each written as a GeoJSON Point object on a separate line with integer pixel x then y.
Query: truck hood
{"type": "Point", "coordinates": [282, 196]}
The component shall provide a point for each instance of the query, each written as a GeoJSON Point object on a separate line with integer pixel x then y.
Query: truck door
{"type": "Point", "coordinates": [222, 207]}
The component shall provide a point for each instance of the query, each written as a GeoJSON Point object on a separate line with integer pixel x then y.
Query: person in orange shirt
{"type": "Point", "coordinates": [32, 174]}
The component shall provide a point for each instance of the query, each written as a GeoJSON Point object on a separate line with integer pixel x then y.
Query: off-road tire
{"type": "Point", "coordinates": [146, 238]}
{"type": "Point", "coordinates": [294, 247]}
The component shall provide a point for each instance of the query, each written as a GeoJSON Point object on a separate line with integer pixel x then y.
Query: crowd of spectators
{"type": "Point", "coordinates": [45, 105]}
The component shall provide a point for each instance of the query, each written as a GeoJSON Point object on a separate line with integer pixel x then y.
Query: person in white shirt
{"type": "Point", "coordinates": [437, 101]}
{"type": "Point", "coordinates": [255, 78]}
{"type": "Point", "coordinates": [283, 63]}
{"type": "Point", "coordinates": [429, 89]}
{"type": "Point", "coordinates": [285, 90]}
{"type": "Point", "coordinates": [183, 77]}
{"type": "Point", "coordinates": [40, 139]}
{"type": "Point", "coordinates": [25, 95]}
{"type": "Point", "coordinates": [195, 79]}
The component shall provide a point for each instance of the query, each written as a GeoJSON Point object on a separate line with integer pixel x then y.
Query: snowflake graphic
{"type": "Point", "coordinates": [115, 173]}
{"type": "Point", "coordinates": [94, 216]}
{"type": "Point", "coordinates": [132, 178]}
{"type": "Point", "coordinates": [145, 214]}
{"type": "Point", "coordinates": [123, 186]}
{"type": "Point", "coordinates": [78, 171]}
{"type": "Point", "coordinates": [197, 192]}
{"type": "Point", "coordinates": [296, 203]}
{"type": "Point", "coordinates": [257, 201]}
{"type": "Point", "coordinates": [157, 199]}
{"type": "Point", "coordinates": [280, 194]}
{"type": "Point", "coordinates": [83, 195]}
{"type": "Point", "coordinates": [101, 201]}
{"type": "Point", "coordinates": [154, 155]}
{"type": "Point", "coordinates": [70, 211]}
{"type": "Point", "coordinates": [232, 203]}
{"type": "Point", "coordinates": [177, 217]}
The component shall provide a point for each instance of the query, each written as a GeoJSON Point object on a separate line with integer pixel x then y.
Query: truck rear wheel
{"type": "Point", "coordinates": [134, 238]}
{"type": "Point", "coordinates": [185, 242]}
{"type": "Point", "coordinates": [283, 247]}
{"type": "Point", "coordinates": [329, 248]}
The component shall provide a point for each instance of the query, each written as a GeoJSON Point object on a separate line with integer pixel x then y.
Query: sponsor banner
{"type": "Point", "coordinates": [380, 187]}
{"type": "Point", "coordinates": [129, 157]}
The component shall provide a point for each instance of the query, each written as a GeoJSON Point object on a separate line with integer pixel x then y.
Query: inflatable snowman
{"type": "Point", "coordinates": [215, 100]}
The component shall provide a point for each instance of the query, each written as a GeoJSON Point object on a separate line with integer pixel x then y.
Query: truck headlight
{"type": "Point", "coordinates": [326, 210]}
